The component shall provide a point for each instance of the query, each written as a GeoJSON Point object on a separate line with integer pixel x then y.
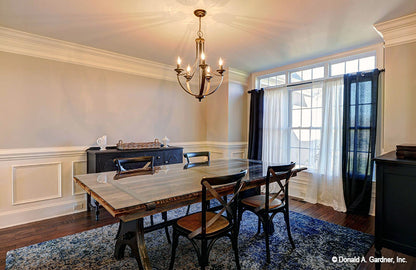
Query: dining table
{"type": "Point", "coordinates": [131, 197]}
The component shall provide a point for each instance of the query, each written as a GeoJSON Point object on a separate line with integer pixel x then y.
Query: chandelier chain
{"type": "Point", "coordinates": [199, 33]}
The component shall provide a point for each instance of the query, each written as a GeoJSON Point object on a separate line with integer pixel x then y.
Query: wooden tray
{"type": "Point", "coordinates": [142, 145]}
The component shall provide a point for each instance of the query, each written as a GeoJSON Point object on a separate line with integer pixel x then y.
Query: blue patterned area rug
{"type": "Point", "coordinates": [317, 242]}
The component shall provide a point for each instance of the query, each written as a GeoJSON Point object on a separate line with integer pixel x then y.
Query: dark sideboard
{"type": "Point", "coordinates": [395, 204]}
{"type": "Point", "coordinates": [103, 160]}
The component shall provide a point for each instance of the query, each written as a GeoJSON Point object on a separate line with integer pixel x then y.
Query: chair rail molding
{"type": "Point", "coordinates": [42, 152]}
{"type": "Point", "coordinates": [398, 31]}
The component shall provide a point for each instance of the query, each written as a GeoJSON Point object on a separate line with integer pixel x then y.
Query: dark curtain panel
{"type": "Point", "coordinates": [255, 135]}
{"type": "Point", "coordinates": [359, 139]}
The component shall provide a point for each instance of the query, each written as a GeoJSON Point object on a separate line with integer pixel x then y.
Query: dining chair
{"type": "Point", "coordinates": [189, 164]}
{"type": "Point", "coordinates": [134, 166]}
{"type": "Point", "coordinates": [266, 206]}
{"type": "Point", "coordinates": [206, 226]}
{"type": "Point", "coordinates": [192, 155]}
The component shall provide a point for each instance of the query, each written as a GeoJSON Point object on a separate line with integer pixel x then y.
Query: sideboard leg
{"type": "Point", "coordinates": [378, 255]}
{"type": "Point", "coordinates": [88, 202]}
{"type": "Point", "coordinates": [97, 210]}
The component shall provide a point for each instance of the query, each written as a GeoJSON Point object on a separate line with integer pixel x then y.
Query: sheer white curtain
{"type": "Point", "coordinates": [325, 185]}
{"type": "Point", "coordinates": [276, 126]}
{"type": "Point", "coordinates": [325, 180]}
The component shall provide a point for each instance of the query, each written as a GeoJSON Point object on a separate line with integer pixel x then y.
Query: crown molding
{"type": "Point", "coordinates": [398, 31]}
{"type": "Point", "coordinates": [18, 42]}
{"type": "Point", "coordinates": [238, 76]}
{"type": "Point", "coordinates": [23, 43]}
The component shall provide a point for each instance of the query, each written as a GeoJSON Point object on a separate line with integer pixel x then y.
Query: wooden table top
{"type": "Point", "coordinates": [168, 188]}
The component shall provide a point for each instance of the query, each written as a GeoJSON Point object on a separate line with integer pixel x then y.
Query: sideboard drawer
{"type": "Point", "coordinates": [172, 156]}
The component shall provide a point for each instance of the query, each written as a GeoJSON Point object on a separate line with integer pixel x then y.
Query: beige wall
{"type": "Point", "coordinates": [48, 103]}
{"type": "Point", "coordinates": [237, 107]}
{"type": "Point", "coordinates": [226, 113]}
{"type": "Point", "coordinates": [217, 114]}
{"type": "Point", "coordinates": [400, 96]}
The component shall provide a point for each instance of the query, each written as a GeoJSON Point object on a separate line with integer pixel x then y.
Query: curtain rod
{"type": "Point", "coordinates": [255, 90]}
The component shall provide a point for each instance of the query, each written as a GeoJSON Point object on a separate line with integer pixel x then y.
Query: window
{"type": "Point", "coordinates": [272, 81]}
{"type": "Point", "coordinates": [321, 71]}
{"type": "Point", "coordinates": [360, 127]}
{"type": "Point", "coordinates": [307, 74]}
{"type": "Point", "coordinates": [305, 125]}
{"type": "Point", "coordinates": [352, 66]}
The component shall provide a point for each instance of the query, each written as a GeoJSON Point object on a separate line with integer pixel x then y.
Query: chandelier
{"type": "Point", "coordinates": [199, 69]}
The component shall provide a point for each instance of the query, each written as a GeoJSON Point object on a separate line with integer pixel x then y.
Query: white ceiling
{"type": "Point", "coordinates": [249, 35]}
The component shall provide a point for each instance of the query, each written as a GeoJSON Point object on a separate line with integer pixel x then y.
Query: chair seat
{"type": "Point", "coordinates": [257, 200]}
{"type": "Point", "coordinates": [194, 221]}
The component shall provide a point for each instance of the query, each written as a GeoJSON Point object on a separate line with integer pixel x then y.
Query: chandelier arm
{"type": "Point", "coordinates": [194, 67]}
{"type": "Point", "coordinates": [202, 88]}
{"type": "Point", "coordinates": [189, 89]}
{"type": "Point", "coordinates": [186, 90]}
{"type": "Point", "coordinates": [208, 87]}
{"type": "Point", "coordinates": [213, 91]}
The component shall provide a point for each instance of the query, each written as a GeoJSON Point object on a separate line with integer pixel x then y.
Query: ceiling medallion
{"type": "Point", "coordinates": [199, 69]}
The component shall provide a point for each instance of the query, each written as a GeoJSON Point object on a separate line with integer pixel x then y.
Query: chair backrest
{"type": "Point", "coordinates": [278, 174]}
{"type": "Point", "coordinates": [134, 165]}
{"type": "Point", "coordinates": [208, 184]}
{"type": "Point", "coordinates": [190, 155]}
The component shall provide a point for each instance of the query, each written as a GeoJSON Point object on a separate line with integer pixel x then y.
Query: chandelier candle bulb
{"type": "Point", "coordinates": [179, 63]}
{"type": "Point", "coordinates": [220, 63]}
{"type": "Point", "coordinates": [203, 58]}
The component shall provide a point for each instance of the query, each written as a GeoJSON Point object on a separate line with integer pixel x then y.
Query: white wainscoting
{"type": "Point", "coordinates": [47, 175]}
{"type": "Point", "coordinates": [78, 167]}
{"type": "Point", "coordinates": [37, 184]}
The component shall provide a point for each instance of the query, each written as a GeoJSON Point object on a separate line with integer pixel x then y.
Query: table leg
{"type": "Point", "coordinates": [132, 234]}
{"type": "Point", "coordinates": [144, 257]}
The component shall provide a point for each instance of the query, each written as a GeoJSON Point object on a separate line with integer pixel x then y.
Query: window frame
{"type": "Point", "coordinates": [350, 58]}
{"type": "Point", "coordinates": [325, 64]}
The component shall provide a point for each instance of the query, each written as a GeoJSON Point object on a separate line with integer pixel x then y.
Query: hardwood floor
{"type": "Point", "coordinates": [36, 232]}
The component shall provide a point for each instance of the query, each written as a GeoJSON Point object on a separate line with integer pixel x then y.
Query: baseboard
{"type": "Point", "coordinates": [33, 214]}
